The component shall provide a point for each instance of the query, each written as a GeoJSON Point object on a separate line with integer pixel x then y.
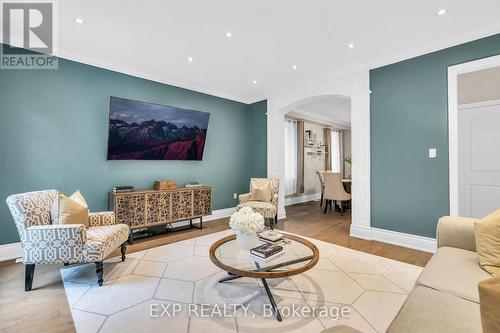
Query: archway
{"type": "Point", "coordinates": [356, 88]}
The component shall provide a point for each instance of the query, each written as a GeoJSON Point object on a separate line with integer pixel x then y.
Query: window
{"type": "Point", "coordinates": [290, 157]}
{"type": "Point", "coordinates": [336, 151]}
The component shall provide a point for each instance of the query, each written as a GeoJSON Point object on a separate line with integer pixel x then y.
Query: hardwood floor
{"type": "Point", "coordinates": [45, 308]}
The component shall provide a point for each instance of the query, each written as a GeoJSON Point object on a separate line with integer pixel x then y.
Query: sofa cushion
{"type": "Point", "coordinates": [427, 310]}
{"type": "Point", "coordinates": [489, 293]}
{"type": "Point", "coordinates": [454, 271]}
{"type": "Point", "coordinates": [103, 240]}
{"type": "Point", "coordinates": [487, 232]}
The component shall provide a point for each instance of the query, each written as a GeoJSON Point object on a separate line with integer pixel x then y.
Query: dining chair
{"type": "Point", "coordinates": [321, 175]}
{"type": "Point", "coordinates": [335, 191]}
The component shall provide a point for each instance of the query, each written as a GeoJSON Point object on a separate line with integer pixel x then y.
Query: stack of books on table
{"type": "Point", "coordinates": [266, 252]}
{"type": "Point", "coordinates": [121, 189]}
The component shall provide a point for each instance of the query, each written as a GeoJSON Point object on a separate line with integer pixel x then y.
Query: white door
{"type": "Point", "coordinates": [479, 158]}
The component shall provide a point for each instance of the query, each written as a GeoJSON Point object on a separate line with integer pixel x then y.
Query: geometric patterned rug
{"type": "Point", "coordinates": [174, 288]}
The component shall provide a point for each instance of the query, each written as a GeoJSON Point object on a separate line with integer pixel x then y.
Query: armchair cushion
{"type": "Point", "coordinates": [103, 240]}
{"type": "Point", "coordinates": [261, 193]}
{"type": "Point", "coordinates": [78, 197]}
{"type": "Point", "coordinates": [68, 211]}
{"type": "Point", "coordinates": [52, 244]}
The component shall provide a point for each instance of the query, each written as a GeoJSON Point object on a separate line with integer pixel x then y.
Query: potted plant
{"type": "Point", "coordinates": [246, 224]}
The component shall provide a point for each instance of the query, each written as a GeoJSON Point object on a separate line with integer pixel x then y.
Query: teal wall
{"type": "Point", "coordinates": [409, 114]}
{"type": "Point", "coordinates": [258, 139]}
{"type": "Point", "coordinates": [53, 134]}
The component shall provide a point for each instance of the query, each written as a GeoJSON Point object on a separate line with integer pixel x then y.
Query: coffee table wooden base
{"type": "Point", "coordinates": [277, 314]}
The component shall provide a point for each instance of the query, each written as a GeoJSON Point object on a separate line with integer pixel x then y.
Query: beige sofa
{"type": "Point", "coordinates": [445, 297]}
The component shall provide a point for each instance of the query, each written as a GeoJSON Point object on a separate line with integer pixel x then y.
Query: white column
{"type": "Point", "coordinates": [360, 136]}
{"type": "Point", "coordinates": [276, 152]}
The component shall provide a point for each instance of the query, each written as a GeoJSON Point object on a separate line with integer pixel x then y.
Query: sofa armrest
{"type": "Point", "coordinates": [99, 219]}
{"type": "Point", "coordinates": [244, 197]}
{"type": "Point", "coordinates": [454, 231]}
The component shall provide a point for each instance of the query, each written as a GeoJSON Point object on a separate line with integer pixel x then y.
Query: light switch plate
{"type": "Point", "coordinates": [432, 152]}
{"type": "Point", "coordinates": [235, 195]}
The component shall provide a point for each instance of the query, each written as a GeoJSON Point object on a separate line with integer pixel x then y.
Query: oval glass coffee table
{"type": "Point", "coordinates": [300, 255]}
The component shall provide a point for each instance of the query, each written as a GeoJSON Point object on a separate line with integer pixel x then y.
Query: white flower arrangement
{"type": "Point", "coordinates": [246, 221]}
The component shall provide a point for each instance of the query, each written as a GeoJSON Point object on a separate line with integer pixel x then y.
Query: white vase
{"type": "Point", "coordinates": [246, 241]}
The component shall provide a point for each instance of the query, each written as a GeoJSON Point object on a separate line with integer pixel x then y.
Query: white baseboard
{"type": "Point", "coordinates": [220, 214]}
{"type": "Point", "coordinates": [415, 242]}
{"type": "Point", "coordinates": [13, 250]}
{"type": "Point", "coordinates": [302, 198]}
{"type": "Point", "coordinates": [10, 251]}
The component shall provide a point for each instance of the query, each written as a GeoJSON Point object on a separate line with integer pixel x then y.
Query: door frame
{"type": "Point", "coordinates": [453, 72]}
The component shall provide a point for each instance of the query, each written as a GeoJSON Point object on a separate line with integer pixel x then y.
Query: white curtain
{"type": "Point", "coordinates": [336, 151]}
{"type": "Point", "coordinates": [290, 157]}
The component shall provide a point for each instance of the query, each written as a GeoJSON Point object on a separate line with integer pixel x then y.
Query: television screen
{"type": "Point", "coordinates": [147, 131]}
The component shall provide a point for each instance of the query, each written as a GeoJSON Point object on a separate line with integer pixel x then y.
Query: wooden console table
{"type": "Point", "coordinates": [149, 208]}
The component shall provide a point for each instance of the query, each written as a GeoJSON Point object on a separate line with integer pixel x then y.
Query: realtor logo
{"type": "Point", "coordinates": [28, 35]}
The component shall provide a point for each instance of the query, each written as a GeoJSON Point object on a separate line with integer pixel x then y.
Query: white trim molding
{"type": "Point", "coordinates": [415, 242]}
{"type": "Point", "coordinates": [10, 251]}
{"type": "Point", "coordinates": [14, 251]}
{"type": "Point", "coordinates": [453, 73]}
{"type": "Point", "coordinates": [302, 198]}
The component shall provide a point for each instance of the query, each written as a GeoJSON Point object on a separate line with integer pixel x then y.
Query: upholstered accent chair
{"type": "Point", "coordinates": [269, 210]}
{"type": "Point", "coordinates": [46, 243]}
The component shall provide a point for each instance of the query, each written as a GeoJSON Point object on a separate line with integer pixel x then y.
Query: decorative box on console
{"type": "Point", "coordinates": [164, 184]}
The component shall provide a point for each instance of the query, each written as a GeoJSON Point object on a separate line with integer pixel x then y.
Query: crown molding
{"type": "Point", "coordinates": [152, 77]}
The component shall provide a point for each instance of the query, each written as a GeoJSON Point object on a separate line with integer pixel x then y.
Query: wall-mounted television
{"type": "Point", "coordinates": [148, 131]}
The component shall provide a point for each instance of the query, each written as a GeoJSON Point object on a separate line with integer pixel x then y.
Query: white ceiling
{"type": "Point", "coordinates": [154, 38]}
{"type": "Point", "coordinates": [336, 109]}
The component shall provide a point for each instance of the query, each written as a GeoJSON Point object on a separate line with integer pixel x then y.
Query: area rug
{"type": "Point", "coordinates": [174, 288]}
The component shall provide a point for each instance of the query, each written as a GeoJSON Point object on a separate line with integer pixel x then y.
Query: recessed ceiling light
{"type": "Point", "coordinates": [79, 20]}
{"type": "Point", "coordinates": [229, 34]}
{"type": "Point", "coordinates": [294, 67]}
{"type": "Point", "coordinates": [190, 59]}
{"type": "Point", "coordinates": [254, 81]}
{"type": "Point", "coordinates": [350, 45]}
{"type": "Point", "coordinates": [441, 12]}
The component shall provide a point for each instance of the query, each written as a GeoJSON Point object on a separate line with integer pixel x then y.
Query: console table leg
{"type": "Point", "coordinates": [131, 238]}
{"type": "Point", "coordinates": [201, 222]}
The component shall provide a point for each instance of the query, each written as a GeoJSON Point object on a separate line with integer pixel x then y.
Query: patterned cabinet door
{"type": "Point", "coordinates": [202, 202]}
{"type": "Point", "coordinates": [129, 209]}
{"type": "Point", "coordinates": [158, 208]}
{"type": "Point", "coordinates": [182, 205]}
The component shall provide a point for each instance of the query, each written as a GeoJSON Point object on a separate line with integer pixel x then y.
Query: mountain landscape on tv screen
{"type": "Point", "coordinates": [145, 131]}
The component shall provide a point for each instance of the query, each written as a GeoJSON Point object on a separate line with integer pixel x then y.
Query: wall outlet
{"type": "Point", "coordinates": [235, 195]}
{"type": "Point", "coordinates": [432, 152]}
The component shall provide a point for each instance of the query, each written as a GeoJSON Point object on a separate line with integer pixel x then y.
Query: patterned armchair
{"type": "Point", "coordinates": [269, 210]}
{"type": "Point", "coordinates": [45, 243]}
